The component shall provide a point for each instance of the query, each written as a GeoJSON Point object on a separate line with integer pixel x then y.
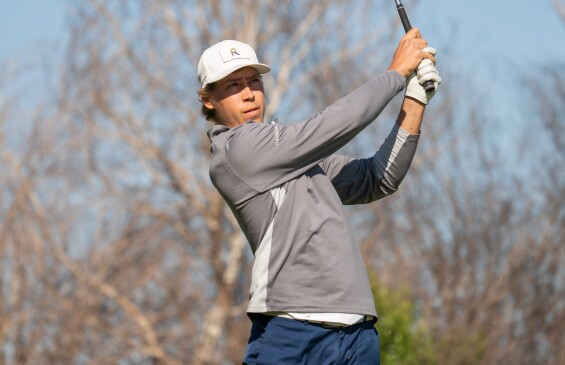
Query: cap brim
{"type": "Point", "coordinates": [260, 67]}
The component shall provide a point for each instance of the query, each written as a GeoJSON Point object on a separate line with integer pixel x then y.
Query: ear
{"type": "Point", "coordinates": [207, 102]}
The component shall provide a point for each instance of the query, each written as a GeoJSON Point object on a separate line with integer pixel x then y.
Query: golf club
{"type": "Point", "coordinates": [428, 85]}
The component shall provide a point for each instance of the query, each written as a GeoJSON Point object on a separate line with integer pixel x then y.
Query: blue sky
{"type": "Point", "coordinates": [26, 25]}
{"type": "Point", "coordinates": [528, 29]}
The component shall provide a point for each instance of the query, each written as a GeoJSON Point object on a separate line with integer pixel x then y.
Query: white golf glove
{"type": "Point", "coordinates": [426, 71]}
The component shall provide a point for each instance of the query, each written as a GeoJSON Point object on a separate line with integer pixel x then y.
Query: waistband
{"type": "Point", "coordinates": [331, 325]}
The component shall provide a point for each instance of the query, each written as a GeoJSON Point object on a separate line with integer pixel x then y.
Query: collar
{"type": "Point", "coordinates": [217, 129]}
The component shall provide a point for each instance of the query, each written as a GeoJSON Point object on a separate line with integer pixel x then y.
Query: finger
{"type": "Point", "coordinates": [412, 33]}
{"type": "Point", "coordinates": [427, 56]}
{"type": "Point", "coordinates": [426, 70]}
{"type": "Point", "coordinates": [425, 66]}
{"type": "Point", "coordinates": [430, 50]}
{"type": "Point", "coordinates": [433, 76]}
{"type": "Point", "coordinates": [419, 43]}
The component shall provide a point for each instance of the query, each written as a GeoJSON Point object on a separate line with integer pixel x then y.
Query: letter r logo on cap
{"type": "Point", "coordinates": [232, 53]}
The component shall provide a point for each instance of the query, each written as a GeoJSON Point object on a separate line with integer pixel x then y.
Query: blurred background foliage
{"type": "Point", "coordinates": [116, 249]}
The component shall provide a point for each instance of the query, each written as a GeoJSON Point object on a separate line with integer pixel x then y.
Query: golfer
{"type": "Point", "coordinates": [310, 299]}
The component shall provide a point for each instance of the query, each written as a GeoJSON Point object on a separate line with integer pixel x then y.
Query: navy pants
{"type": "Point", "coordinates": [276, 341]}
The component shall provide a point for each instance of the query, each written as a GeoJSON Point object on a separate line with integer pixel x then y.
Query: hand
{"type": "Point", "coordinates": [426, 72]}
{"type": "Point", "coordinates": [409, 53]}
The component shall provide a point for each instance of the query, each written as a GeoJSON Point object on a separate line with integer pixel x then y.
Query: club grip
{"type": "Point", "coordinates": [428, 85]}
{"type": "Point", "coordinates": [404, 18]}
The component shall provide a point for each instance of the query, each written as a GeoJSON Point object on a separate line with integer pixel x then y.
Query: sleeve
{"type": "Point", "coordinates": [266, 155]}
{"type": "Point", "coordinates": [360, 181]}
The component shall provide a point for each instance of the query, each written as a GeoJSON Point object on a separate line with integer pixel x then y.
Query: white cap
{"type": "Point", "coordinates": [224, 58]}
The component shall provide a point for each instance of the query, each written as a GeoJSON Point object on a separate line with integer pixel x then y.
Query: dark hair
{"type": "Point", "coordinates": [204, 93]}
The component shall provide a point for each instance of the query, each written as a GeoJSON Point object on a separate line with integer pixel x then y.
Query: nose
{"type": "Point", "coordinates": [247, 94]}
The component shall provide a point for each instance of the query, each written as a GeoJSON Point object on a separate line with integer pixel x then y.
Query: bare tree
{"type": "Point", "coordinates": [116, 248]}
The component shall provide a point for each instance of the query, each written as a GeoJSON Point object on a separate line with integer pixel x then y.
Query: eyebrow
{"type": "Point", "coordinates": [248, 76]}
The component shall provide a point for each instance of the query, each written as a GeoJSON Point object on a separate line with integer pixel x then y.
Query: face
{"type": "Point", "coordinates": [238, 98]}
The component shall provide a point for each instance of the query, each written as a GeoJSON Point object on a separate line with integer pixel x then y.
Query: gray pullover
{"type": "Point", "coordinates": [286, 187]}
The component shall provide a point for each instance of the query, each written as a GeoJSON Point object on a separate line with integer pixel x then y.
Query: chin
{"type": "Point", "coordinates": [255, 118]}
